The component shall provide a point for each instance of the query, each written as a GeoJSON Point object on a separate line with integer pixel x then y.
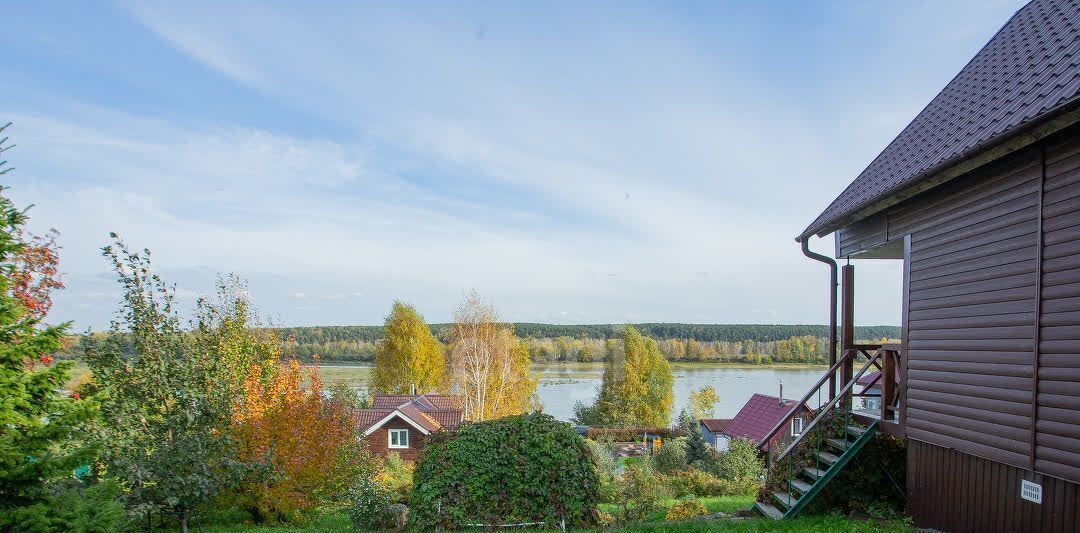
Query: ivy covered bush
{"type": "Point", "coordinates": [525, 468]}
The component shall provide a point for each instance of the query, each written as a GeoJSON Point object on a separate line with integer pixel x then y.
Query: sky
{"type": "Point", "coordinates": [573, 162]}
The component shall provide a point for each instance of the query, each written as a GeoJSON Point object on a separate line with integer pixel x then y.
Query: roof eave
{"type": "Point", "coordinates": [996, 148]}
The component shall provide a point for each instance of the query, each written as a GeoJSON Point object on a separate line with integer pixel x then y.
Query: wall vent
{"type": "Point", "coordinates": [1031, 492]}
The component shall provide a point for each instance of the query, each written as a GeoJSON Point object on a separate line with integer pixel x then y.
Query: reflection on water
{"type": "Point", "coordinates": [562, 385]}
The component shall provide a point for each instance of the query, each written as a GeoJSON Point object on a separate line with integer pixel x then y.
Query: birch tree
{"type": "Point", "coordinates": [489, 366]}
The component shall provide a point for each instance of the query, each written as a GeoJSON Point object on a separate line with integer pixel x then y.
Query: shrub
{"type": "Point", "coordinates": [632, 434]}
{"type": "Point", "coordinates": [396, 475]}
{"type": "Point", "coordinates": [606, 463]}
{"type": "Point", "coordinates": [73, 509]}
{"type": "Point", "coordinates": [368, 504]}
{"type": "Point", "coordinates": [523, 468]}
{"type": "Point", "coordinates": [306, 442]}
{"type": "Point", "coordinates": [696, 482]}
{"type": "Point", "coordinates": [740, 462]}
{"type": "Point", "coordinates": [639, 494]}
{"type": "Point", "coordinates": [607, 468]}
{"type": "Point", "coordinates": [686, 508]}
{"type": "Point", "coordinates": [671, 457]}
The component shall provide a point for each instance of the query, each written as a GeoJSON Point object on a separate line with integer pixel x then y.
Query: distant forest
{"type": "Point", "coordinates": [744, 343]}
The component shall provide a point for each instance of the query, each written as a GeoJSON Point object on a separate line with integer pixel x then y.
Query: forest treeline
{"type": "Point", "coordinates": [740, 343]}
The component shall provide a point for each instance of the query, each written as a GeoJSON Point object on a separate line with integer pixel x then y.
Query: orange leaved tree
{"type": "Point", "coordinates": [306, 442]}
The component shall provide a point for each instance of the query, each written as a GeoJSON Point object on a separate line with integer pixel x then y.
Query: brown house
{"type": "Point", "coordinates": [979, 198]}
{"type": "Point", "coordinates": [401, 423]}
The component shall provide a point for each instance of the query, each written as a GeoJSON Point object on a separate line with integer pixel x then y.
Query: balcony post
{"type": "Point", "coordinates": [847, 326]}
{"type": "Point", "coordinates": [888, 384]}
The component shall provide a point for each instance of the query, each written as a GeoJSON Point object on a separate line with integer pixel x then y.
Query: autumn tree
{"type": "Point", "coordinates": [489, 366]}
{"type": "Point", "coordinates": [702, 403]}
{"type": "Point", "coordinates": [408, 356]}
{"type": "Point", "coordinates": [169, 390]}
{"type": "Point", "coordinates": [636, 387]}
{"type": "Point", "coordinates": [41, 425]}
{"type": "Point", "coordinates": [305, 442]}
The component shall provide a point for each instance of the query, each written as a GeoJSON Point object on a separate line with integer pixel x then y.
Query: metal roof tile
{"type": "Point", "coordinates": [1025, 73]}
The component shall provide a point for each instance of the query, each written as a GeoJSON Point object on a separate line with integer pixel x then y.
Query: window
{"type": "Point", "coordinates": [721, 443]}
{"type": "Point", "coordinates": [796, 426]}
{"type": "Point", "coordinates": [399, 438]}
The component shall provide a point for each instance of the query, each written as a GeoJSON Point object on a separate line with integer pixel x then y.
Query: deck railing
{"type": "Point", "coordinates": [882, 357]}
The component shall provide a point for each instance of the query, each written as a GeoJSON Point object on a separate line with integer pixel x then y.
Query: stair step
{"type": "Point", "coordinates": [839, 444]}
{"type": "Point", "coordinates": [785, 499]}
{"type": "Point", "coordinates": [827, 457]}
{"type": "Point", "coordinates": [856, 430]}
{"type": "Point", "coordinates": [769, 510]}
{"type": "Point", "coordinates": [801, 487]}
{"type": "Point", "coordinates": [813, 473]}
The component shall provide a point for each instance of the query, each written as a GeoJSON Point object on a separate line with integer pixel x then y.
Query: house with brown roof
{"type": "Point", "coordinates": [978, 201]}
{"type": "Point", "coordinates": [757, 417]}
{"type": "Point", "coordinates": [401, 423]}
{"type": "Point", "coordinates": [712, 429]}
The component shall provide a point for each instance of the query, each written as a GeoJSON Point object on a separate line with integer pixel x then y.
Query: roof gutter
{"type": "Point", "coordinates": [805, 241]}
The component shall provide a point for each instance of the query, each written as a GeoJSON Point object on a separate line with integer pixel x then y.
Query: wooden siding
{"type": "Point", "coordinates": [861, 235]}
{"type": "Point", "coordinates": [992, 308]}
{"type": "Point", "coordinates": [1057, 437]}
{"type": "Point", "coordinates": [971, 309]}
{"type": "Point", "coordinates": [953, 491]}
{"type": "Point", "coordinates": [378, 442]}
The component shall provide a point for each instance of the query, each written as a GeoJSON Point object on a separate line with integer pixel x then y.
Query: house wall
{"type": "Point", "coordinates": [378, 442]}
{"type": "Point", "coordinates": [993, 336]}
{"type": "Point", "coordinates": [710, 437]}
{"type": "Point", "coordinates": [953, 491]}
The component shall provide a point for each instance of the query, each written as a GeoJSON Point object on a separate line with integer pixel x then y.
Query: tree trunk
{"type": "Point", "coordinates": [183, 521]}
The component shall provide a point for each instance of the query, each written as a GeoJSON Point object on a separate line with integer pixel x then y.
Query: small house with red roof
{"type": "Point", "coordinates": [401, 423]}
{"type": "Point", "coordinates": [713, 429]}
{"type": "Point", "coordinates": [758, 417]}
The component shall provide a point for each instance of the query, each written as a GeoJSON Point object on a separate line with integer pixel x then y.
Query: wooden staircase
{"type": "Point", "coordinates": [838, 436]}
{"type": "Point", "coordinates": [807, 481]}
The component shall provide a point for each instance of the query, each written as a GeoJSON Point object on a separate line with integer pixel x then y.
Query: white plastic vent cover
{"type": "Point", "coordinates": [1031, 492]}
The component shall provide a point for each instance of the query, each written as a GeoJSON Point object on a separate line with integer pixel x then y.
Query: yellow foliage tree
{"type": "Point", "coordinates": [636, 390]}
{"type": "Point", "coordinates": [489, 366]}
{"type": "Point", "coordinates": [408, 356]}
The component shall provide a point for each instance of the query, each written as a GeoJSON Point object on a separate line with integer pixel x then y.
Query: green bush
{"type": "Point", "coordinates": [740, 462]}
{"type": "Point", "coordinates": [396, 476]}
{"type": "Point", "coordinates": [368, 504]}
{"type": "Point", "coordinates": [93, 509]}
{"type": "Point", "coordinates": [671, 457]}
{"type": "Point", "coordinates": [639, 494]}
{"type": "Point", "coordinates": [695, 482]}
{"type": "Point", "coordinates": [607, 468]}
{"type": "Point", "coordinates": [525, 468]}
{"type": "Point", "coordinates": [606, 463]}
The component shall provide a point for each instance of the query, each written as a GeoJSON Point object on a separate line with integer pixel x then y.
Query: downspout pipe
{"type": "Point", "coordinates": [805, 241]}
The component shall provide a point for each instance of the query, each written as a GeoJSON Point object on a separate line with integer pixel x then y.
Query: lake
{"type": "Point", "coordinates": [563, 384]}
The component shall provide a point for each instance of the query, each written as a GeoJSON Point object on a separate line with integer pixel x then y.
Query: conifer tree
{"type": "Point", "coordinates": [40, 424]}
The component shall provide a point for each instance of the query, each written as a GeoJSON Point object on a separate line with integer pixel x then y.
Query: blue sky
{"type": "Point", "coordinates": [573, 162]}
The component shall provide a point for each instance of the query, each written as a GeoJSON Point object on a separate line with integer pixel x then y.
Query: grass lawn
{"type": "Point", "coordinates": [715, 504]}
{"type": "Point", "coordinates": [338, 521]}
